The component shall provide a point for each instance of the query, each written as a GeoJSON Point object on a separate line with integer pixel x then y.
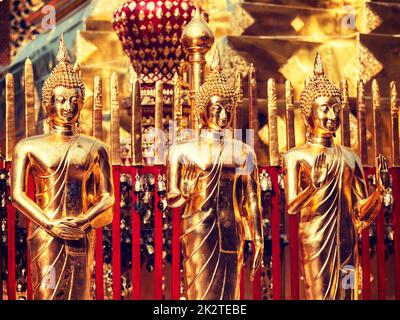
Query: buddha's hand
{"type": "Point", "coordinates": [81, 222]}
{"type": "Point", "coordinates": [382, 173]}
{"type": "Point", "coordinates": [189, 179]}
{"type": "Point", "coordinates": [319, 171]}
{"type": "Point", "coordinates": [257, 259]}
{"type": "Point", "coordinates": [64, 230]}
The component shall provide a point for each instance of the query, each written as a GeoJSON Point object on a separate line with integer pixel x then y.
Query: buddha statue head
{"type": "Point", "coordinates": [215, 101]}
{"type": "Point", "coordinates": [63, 91]}
{"type": "Point", "coordinates": [321, 103]}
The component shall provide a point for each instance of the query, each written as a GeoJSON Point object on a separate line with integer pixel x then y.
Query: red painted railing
{"type": "Point", "coordinates": [276, 216]}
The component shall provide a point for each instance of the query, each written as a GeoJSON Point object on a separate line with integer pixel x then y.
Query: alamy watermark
{"type": "Point", "coordinates": [49, 19]}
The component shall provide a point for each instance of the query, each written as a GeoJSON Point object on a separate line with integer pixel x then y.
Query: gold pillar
{"type": "Point", "coordinates": [159, 155]}
{"type": "Point", "coordinates": [377, 118]}
{"type": "Point", "coordinates": [252, 87]}
{"type": "Point", "coordinates": [197, 39]}
{"type": "Point", "coordinates": [362, 125]}
{"type": "Point", "coordinates": [114, 123]}
{"type": "Point", "coordinates": [273, 124]}
{"type": "Point", "coordinates": [345, 127]}
{"type": "Point", "coordinates": [177, 108]}
{"type": "Point", "coordinates": [10, 116]}
{"type": "Point", "coordinates": [394, 111]}
{"type": "Point", "coordinates": [239, 99]}
{"type": "Point", "coordinates": [290, 133]}
{"type": "Point", "coordinates": [97, 117]}
{"type": "Point", "coordinates": [136, 129]}
{"type": "Point", "coordinates": [29, 91]}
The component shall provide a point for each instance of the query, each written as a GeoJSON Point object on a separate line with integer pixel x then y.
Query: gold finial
{"type": "Point", "coordinates": [376, 95]}
{"type": "Point", "coordinates": [197, 33]}
{"type": "Point", "coordinates": [361, 96]}
{"type": "Point", "coordinates": [239, 87]}
{"type": "Point", "coordinates": [62, 53]}
{"type": "Point", "coordinates": [394, 107]}
{"type": "Point", "coordinates": [318, 66]}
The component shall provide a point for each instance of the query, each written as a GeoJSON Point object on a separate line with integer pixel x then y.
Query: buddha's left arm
{"type": "Point", "coordinates": [174, 196]}
{"type": "Point", "coordinates": [366, 207]}
{"type": "Point", "coordinates": [101, 213]}
{"type": "Point", "coordinates": [252, 202]}
{"type": "Point", "coordinates": [252, 207]}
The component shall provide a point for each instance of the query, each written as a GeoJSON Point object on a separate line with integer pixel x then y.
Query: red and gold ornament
{"type": "Point", "coordinates": [150, 33]}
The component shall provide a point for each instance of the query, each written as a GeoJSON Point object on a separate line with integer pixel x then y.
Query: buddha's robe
{"type": "Point", "coordinates": [223, 210]}
{"type": "Point", "coordinates": [67, 184]}
{"type": "Point", "coordinates": [329, 227]}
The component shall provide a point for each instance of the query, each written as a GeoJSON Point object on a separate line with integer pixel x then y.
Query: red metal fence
{"type": "Point", "coordinates": [276, 217]}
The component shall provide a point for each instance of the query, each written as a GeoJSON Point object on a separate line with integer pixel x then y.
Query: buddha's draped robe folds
{"type": "Point", "coordinates": [217, 217]}
{"type": "Point", "coordinates": [329, 227]}
{"type": "Point", "coordinates": [62, 269]}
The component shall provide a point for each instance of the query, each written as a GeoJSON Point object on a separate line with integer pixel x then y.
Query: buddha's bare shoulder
{"type": "Point", "coordinates": [98, 144]}
{"type": "Point", "coordinates": [30, 143]}
{"type": "Point", "coordinates": [183, 147]}
{"type": "Point", "coordinates": [350, 156]}
{"type": "Point", "coordinates": [297, 153]}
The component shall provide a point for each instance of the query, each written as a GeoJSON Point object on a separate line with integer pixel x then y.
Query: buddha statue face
{"type": "Point", "coordinates": [66, 105]}
{"type": "Point", "coordinates": [219, 115]}
{"type": "Point", "coordinates": [325, 115]}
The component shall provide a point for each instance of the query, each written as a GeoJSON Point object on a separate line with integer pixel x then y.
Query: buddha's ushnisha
{"type": "Point", "coordinates": [73, 190]}
{"type": "Point", "coordinates": [325, 185]}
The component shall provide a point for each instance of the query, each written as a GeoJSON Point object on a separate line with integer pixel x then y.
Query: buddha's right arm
{"type": "Point", "coordinates": [174, 196]}
{"type": "Point", "coordinates": [19, 175]}
{"type": "Point", "coordinates": [295, 200]}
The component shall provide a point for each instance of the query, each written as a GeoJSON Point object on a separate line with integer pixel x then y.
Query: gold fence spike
{"type": "Point", "coordinates": [273, 124]}
{"type": "Point", "coordinates": [29, 92]}
{"type": "Point", "coordinates": [114, 122]}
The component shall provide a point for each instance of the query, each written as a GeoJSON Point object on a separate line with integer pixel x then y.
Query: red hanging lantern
{"type": "Point", "coordinates": [150, 33]}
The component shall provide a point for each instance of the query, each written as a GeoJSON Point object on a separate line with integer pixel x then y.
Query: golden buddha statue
{"type": "Point", "coordinates": [73, 190]}
{"type": "Point", "coordinates": [325, 184]}
{"type": "Point", "coordinates": [215, 177]}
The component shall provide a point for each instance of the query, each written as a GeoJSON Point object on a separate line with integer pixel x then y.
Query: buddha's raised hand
{"type": "Point", "coordinates": [189, 179]}
{"type": "Point", "coordinates": [319, 171]}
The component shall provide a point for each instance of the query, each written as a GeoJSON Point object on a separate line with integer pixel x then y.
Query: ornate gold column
{"type": "Point", "coordinates": [197, 39]}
